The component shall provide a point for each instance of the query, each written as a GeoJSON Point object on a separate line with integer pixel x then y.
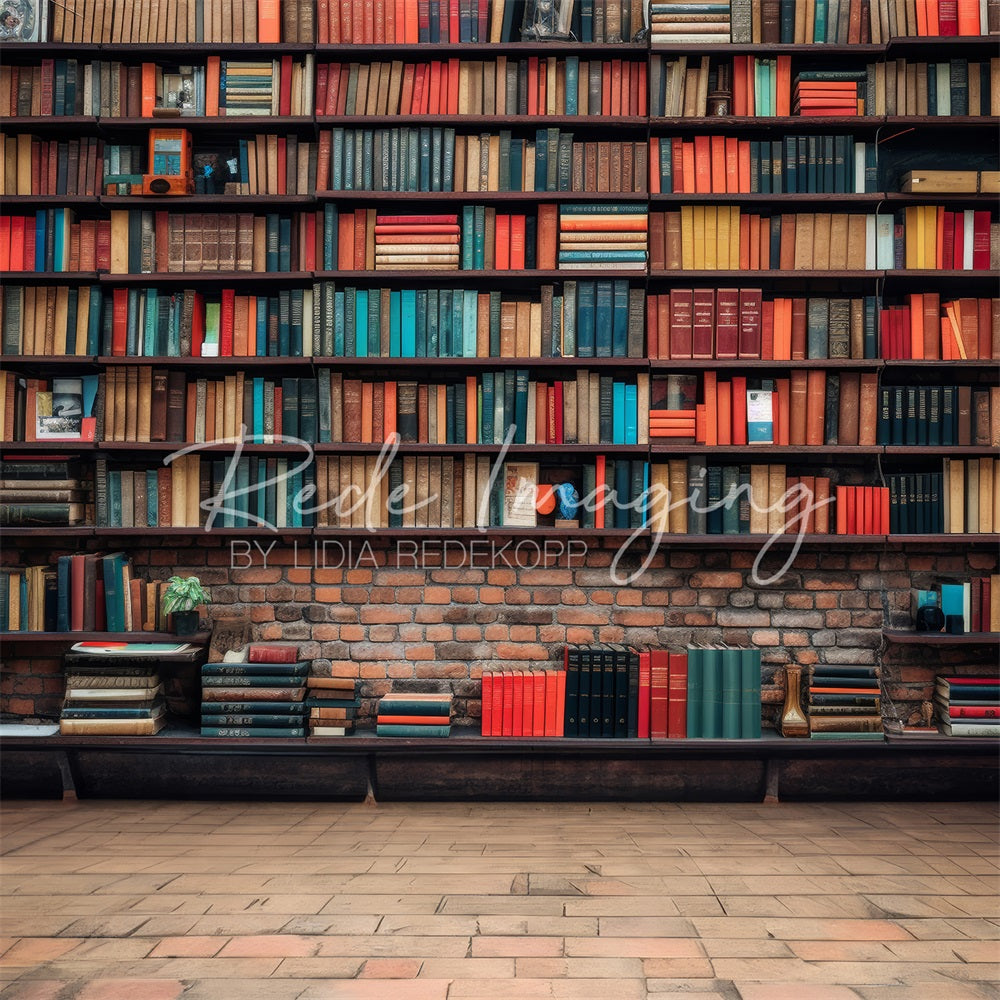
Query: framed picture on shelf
{"type": "Point", "coordinates": [23, 21]}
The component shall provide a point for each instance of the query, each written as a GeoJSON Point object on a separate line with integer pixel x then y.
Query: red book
{"type": "Point", "coordinates": [948, 18]}
{"type": "Point", "coordinates": [724, 413]}
{"type": "Point", "coordinates": [538, 680]}
{"type": "Point", "coordinates": [750, 307]}
{"type": "Point", "coordinates": [76, 592]}
{"type": "Point", "coordinates": [453, 28]}
{"type": "Point", "coordinates": [119, 322]}
{"type": "Point", "coordinates": [272, 652]}
{"type": "Point", "coordinates": [739, 409]}
{"type": "Point", "coordinates": [600, 478]}
{"type": "Point", "coordinates": [677, 696]}
{"type": "Point", "coordinates": [517, 705]}
{"type": "Point", "coordinates": [644, 682]}
{"type": "Point", "coordinates": [517, 238]}
{"type": "Point", "coordinates": [681, 320]}
{"type": "Point", "coordinates": [269, 21]}
{"type": "Point", "coordinates": [560, 713]}
{"type": "Point", "coordinates": [227, 319]}
{"type": "Point", "coordinates": [980, 240]}
{"type": "Point", "coordinates": [727, 323]}
{"type": "Point", "coordinates": [502, 254]}
{"type": "Point", "coordinates": [973, 712]}
{"type": "Point", "coordinates": [659, 693]}
{"type": "Point", "coordinates": [552, 724]}
{"type": "Point", "coordinates": [507, 725]}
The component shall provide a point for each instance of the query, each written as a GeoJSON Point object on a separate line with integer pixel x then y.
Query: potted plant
{"type": "Point", "coordinates": [181, 599]}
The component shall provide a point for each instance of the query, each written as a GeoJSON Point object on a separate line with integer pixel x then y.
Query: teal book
{"type": "Point", "coordinates": [411, 731]}
{"type": "Point", "coordinates": [495, 304]}
{"type": "Point", "coordinates": [152, 498]}
{"type": "Point", "coordinates": [750, 694]}
{"type": "Point", "coordinates": [468, 237]}
{"type": "Point", "coordinates": [572, 83]}
{"type": "Point", "coordinates": [470, 310]}
{"type": "Point", "coordinates": [257, 680]}
{"type": "Point", "coordinates": [695, 687]}
{"type": "Point", "coordinates": [619, 336]}
{"type": "Point", "coordinates": [361, 323]}
{"type": "Point", "coordinates": [586, 319]}
{"type": "Point", "coordinates": [408, 322]}
{"type": "Point", "coordinates": [730, 694]}
{"type": "Point", "coordinates": [618, 413]}
{"type": "Point", "coordinates": [631, 429]}
{"type": "Point", "coordinates": [711, 699]}
{"type": "Point", "coordinates": [254, 720]}
{"type": "Point", "coordinates": [445, 346]}
{"type": "Point", "coordinates": [521, 405]}
{"type": "Point", "coordinates": [259, 732]}
{"type": "Point", "coordinates": [479, 238]}
{"type": "Point", "coordinates": [283, 708]}
{"type": "Point", "coordinates": [300, 669]}
{"type": "Point", "coordinates": [433, 344]}
{"type": "Point", "coordinates": [541, 158]}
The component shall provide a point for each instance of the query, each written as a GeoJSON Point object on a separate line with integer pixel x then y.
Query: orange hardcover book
{"type": "Point", "coordinates": [782, 411]}
{"type": "Point", "coordinates": [815, 406]}
{"type": "Point", "coordinates": [516, 704]}
{"type": "Point", "coordinates": [269, 21]}
{"type": "Point", "coordinates": [724, 421]}
{"type": "Point", "coordinates": [548, 232]}
{"type": "Point", "coordinates": [711, 408]}
{"type": "Point", "coordinates": [148, 89]}
{"type": "Point", "coordinates": [536, 681]}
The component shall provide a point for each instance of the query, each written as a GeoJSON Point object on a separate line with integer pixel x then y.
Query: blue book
{"type": "Point", "coordinates": [433, 336]}
{"type": "Point", "coordinates": [152, 497]}
{"type": "Point", "coordinates": [619, 337]}
{"type": "Point", "coordinates": [330, 233]}
{"type": "Point", "coordinates": [541, 158]}
{"type": "Point", "coordinates": [361, 323]}
{"type": "Point", "coordinates": [421, 334]}
{"type": "Point", "coordinates": [586, 319]}
{"type": "Point", "coordinates": [517, 161]}
{"type": "Point", "coordinates": [408, 323]}
{"type": "Point", "coordinates": [40, 239]}
{"type": "Point", "coordinates": [521, 405]}
{"type": "Point", "coordinates": [486, 420]}
{"type": "Point", "coordinates": [604, 319]}
{"type": "Point", "coordinates": [572, 83]}
{"type": "Point", "coordinates": [469, 322]}
{"type": "Point", "coordinates": [631, 414]}
{"type": "Point", "coordinates": [618, 413]}
{"type": "Point", "coordinates": [468, 238]}
{"type": "Point", "coordinates": [445, 347]}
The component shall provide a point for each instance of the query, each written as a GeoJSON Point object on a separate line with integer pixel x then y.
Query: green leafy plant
{"type": "Point", "coordinates": [183, 593]}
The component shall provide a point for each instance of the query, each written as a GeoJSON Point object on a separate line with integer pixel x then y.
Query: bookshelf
{"type": "Point", "coordinates": [903, 142]}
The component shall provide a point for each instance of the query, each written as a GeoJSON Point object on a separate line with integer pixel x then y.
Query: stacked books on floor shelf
{"type": "Point", "coordinates": [613, 691]}
{"type": "Point", "coordinates": [332, 703]}
{"type": "Point", "coordinates": [844, 703]}
{"type": "Point", "coordinates": [258, 691]}
{"type": "Point", "coordinates": [405, 713]}
{"type": "Point", "coordinates": [108, 699]}
{"type": "Point", "coordinates": [968, 705]}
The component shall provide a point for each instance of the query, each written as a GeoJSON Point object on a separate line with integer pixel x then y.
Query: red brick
{"type": "Point", "coordinates": [637, 619]}
{"type": "Point", "coordinates": [324, 575]}
{"type": "Point", "coordinates": [629, 598]}
{"type": "Point", "coordinates": [327, 595]}
{"type": "Point", "coordinates": [573, 596]}
{"type": "Point", "coordinates": [683, 598]}
{"type": "Point", "coordinates": [439, 633]}
{"type": "Point", "coordinates": [725, 580]}
{"type": "Point", "coordinates": [358, 576]}
{"type": "Point", "coordinates": [256, 574]}
{"type": "Point", "coordinates": [522, 651]}
{"type": "Point", "coordinates": [437, 595]}
{"type": "Point", "coordinates": [468, 633]}
{"type": "Point", "coordinates": [300, 576]}
{"type": "Point", "coordinates": [765, 637]}
{"type": "Point", "coordinates": [501, 577]}
{"type": "Point", "coordinates": [420, 652]}
{"type": "Point", "coordinates": [571, 616]}
{"type": "Point", "coordinates": [386, 615]}
{"type": "Point", "coordinates": [383, 633]}
{"type": "Point", "coordinates": [353, 633]}
{"type": "Point", "coordinates": [445, 671]}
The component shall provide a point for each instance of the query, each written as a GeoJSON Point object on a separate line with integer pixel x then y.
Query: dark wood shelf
{"type": "Point", "coordinates": [755, 198]}
{"type": "Point", "coordinates": [949, 122]}
{"type": "Point", "coordinates": [813, 50]}
{"type": "Point", "coordinates": [209, 278]}
{"type": "Point", "coordinates": [836, 364]}
{"type": "Point", "coordinates": [252, 531]}
{"type": "Point", "coordinates": [474, 50]}
{"type": "Point", "coordinates": [940, 538]}
{"type": "Point", "coordinates": [747, 123]}
{"type": "Point", "coordinates": [422, 448]}
{"type": "Point", "coordinates": [757, 541]}
{"type": "Point", "coordinates": [43, 360]}
{"type": "Point", "coordinates": [903, 637]}
{"type": "Point", "coordinates": [225, 362]}
{"type": "Point", "coordinates": [49, 448]}
{"type": "Point", "coordinates": [946, 198]}
{"type": "Point", "coordinates": [53, 532]}
{"type": "Point", "coordinates": [482, 364]}
{"type": "Point", "coordinates": [938, 450]}
{"type": "Point", "coordinates": [747, 451]}
{"type": "Point", "coordinates": [925, 275]}
{"type": "Point", "coordinates": [52, 277]}
{"type": "Point", "coordinates": [33, 201]}
{"type": "Point", "coordinates": [480, 197]}
{"type": "Point", "coordinates": [525, 278]}
{"type": "Point", "coordinates": [237, 123]}
{"type": "Point", "coordinates": [166, 447]}
{"type": "Point", "coordinates": [768, 275]}
{"type": "Point", "coordinates": [31, 123]}
{"type": "Point", "coordinates": [493, 531]}
{"type": "Point", "coordinates": [74, 637]}
{"type": "Point", "coordinates": [170, 52]}
{"type": "Point", "coordinates": [207, 201]}
{"type": "Point", "coordinates": [932, 364]}
{"type": "Point", "coordinates": [473, 122]}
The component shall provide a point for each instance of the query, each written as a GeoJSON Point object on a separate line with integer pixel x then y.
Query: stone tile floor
{"type": "Point", "coordinates": [457, 901]}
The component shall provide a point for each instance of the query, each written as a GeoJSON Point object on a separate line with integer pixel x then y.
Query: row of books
{"type": "Point", "coordinates": [725, 237]}
{"type": "Point", "coordinates": [968, 705]}
{"type": "Point", "coordinates": [570, 319]}
{"type": "Point", "coordinates": [255, 677]}
{"type": "Point", "coordinates": [976, 602]}
{"type": "Point", "coordinates": [438, 159]}
{"type": "Point", "coordinates": [728, 323]}
{"type": "Point", "coordinates": [595, 235]}
{"type": "Point", "coordinates": [126, 21]}
{"type": "Point", "coordinates": [971, 494]}
{"type": "Point", "coordinates": [808, 407]}
{"type": "Point", "coordinates": [34, 166]}
{"type": "Point", "coordinates": [414, 714]}
{"type": "Point", "coordinates": [724, 164]}
{"type": "Point", "coordinates": [925, 326]}
{"type": "Point", "coordinates": [80, 592]}
{"type": "Point", "coordinates": [763, 87]}
{"type": "Point", "coordinates": [843, 702]}
{"type": "Point", "coordinates": [112, 700]}
{"type": "Point", "coordinates": [939, 415]}
{"type": "Point", "coordinates": [112, 89]}
{"type": "Point", "coordinates": [696, 237]}
{"type": "Point", "coordinates": [505, 86]}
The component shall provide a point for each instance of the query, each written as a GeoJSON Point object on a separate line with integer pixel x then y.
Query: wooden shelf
{"type": "Point", "coordinates": [813, 50]}
{"type": "Point", "coordinates": [837, 364]}
{"type": "Point", "coordinates": [73, 637]}
{"type": "Point", "coordinates": [207, 201]}
{"type": "Point", "coordinates": [13, 202]}
{"type": "Point", "coordinates": [937, 450]}
{"type": "Point", "coordinates": [752, 451]}
{"type": "Point", "coordinates": [757, 198]}
{"type": "Point", "coordinates": [902, 637]}
{"type": "Point", "coordinates": [480, 197]}
{"type": "Point", "coordinates": [228, 361]}
{"type": "Point", "coordinates": [766, 276]}
{"type": "Point", "coordinates": [209, 278]}
{"type": "Point", "coordinates": [52, 277]}
{"type": "Point", "coordinates": [786, 123]}
{"type": "Point", "coordinates": [615, 123]}
{"type": "Point", "coordinates": [238, 123]}
{"type": "Point", "coordinates": [476, 50]}
{"type": "Point", "coordinates": [525, 278]}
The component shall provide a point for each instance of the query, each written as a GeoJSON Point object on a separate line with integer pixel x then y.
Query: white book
{"type": "Point", "coordinates": [870, 245]}
{"type": "Point", "coordinates": [967, 239]}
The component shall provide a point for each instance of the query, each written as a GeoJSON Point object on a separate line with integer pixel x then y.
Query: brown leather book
{"type": "Point", "coordinates": [867, 408]}
{"type": "Point", "coordinates": [548, 231]}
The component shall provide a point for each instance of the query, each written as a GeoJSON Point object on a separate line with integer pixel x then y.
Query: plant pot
{"type": "Point", "coordinates": [186, 622]}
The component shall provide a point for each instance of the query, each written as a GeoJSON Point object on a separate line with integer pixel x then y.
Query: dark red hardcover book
{"type": "Point", "coordinates": [272, 652]}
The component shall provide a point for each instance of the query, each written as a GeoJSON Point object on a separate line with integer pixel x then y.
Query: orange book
{"type": "Point", "coordinates": [600, 479]}
{"type": "Point", "coordinates": [717, 179]}
{"type": "Point", "coordinates": [738, 394]}
{"type": "Point", "coordinates": [711, 409]}
{"type": "Point", "coordinates": [213, 69]}
{"type": "Point", "coordinates": [654, 165]}
{"type": "Point", "coordinates": [532, 85]}
{"type": "Point", "coordinates": [269, 21]}
{"type": "Point", "coordinates": [551, 721]}
{"type": "Point", "coordinates": [922, 18]}
{"type": "Point", "coordinates": [724, 421]}
{"type": "Point", "coordinates": [612, 223]}
{"type": "Point", "coordinates": [733, 166]}
{"type": "Point", "coordinates": [605, 89]}
{"type": "Point", "coordinates": [148, 89]}
{"type": "Point", "coordinates": [815, 406]}
{"type": "Point", "coordinates": [548, 236]}
{"type": "Point", "coordinates": [516, 704]}
{"type": "Point", "coordinates": [345, 241]}
{"type": "Point", "coordinates": [782, 411]}
{"type": "Point", "coordinates": [740, 86]}
{"type": "Point", "coordinates": [968, 17]}
{"type": "Point", "coordinates": [689, 158]}
{"type": "Point", "coordinates": [517, 245]}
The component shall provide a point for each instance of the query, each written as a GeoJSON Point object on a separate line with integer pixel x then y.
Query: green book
{"type": "Point", "coordinates": [255, 731]}
{"type": "Point", "coordinates": [415, 730]}
{"type": "Point", "coordinates": [731, 707]}
{"type": "Point", "coordinates": [750, 694]}
{"type": "Point", "coordinates": [695, 686]}
{"type": "Point", "coordinates": [711, 697]}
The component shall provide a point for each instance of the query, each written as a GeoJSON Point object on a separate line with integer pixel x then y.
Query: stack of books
{"type": "Point", "coordinates": [673, 408]}
{"type": "Point", "coordinates": [968, 705]}
{"type": "Point", "coordinates": [672, 21]}
{"type": "Point", "coordinates": [404, 713]}
{"type": "Point", "coordinates": [844, 702]}
{"type": "Point", "coordinates": [111, 700]}
{"type": "Point", "coordinates": [828, 92]}
{"type": "Point", "coordinates": [30, 495]}
{"type": "Point", "coordinates": [604, 236]}
{"type": "Point", "coordinates": [247, 88]}
{"type": "Point", "coordinates": [258, 691]}
{"type": "Point", "coordinates": [417, 242]}
{"type": "Point", "coordinates": [332, 703]}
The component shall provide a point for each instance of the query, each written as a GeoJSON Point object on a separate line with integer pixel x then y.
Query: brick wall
{"type": "Point", "coordinates": [372, 615]}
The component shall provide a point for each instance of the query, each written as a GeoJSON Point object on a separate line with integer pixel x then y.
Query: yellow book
{"type": "Point", "coordinates": [698, 236]}
{"type": "Point", "coordinates": [711, 238]}
{"type": "Point", "coordinates": [687, 238]}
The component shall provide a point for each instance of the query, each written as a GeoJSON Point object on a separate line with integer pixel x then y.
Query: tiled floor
{"type": "Point", "coordinates": [157, 900]}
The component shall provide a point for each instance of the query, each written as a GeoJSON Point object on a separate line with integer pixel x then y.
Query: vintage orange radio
{"type": "Point", "coordinates": [170, 170]}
